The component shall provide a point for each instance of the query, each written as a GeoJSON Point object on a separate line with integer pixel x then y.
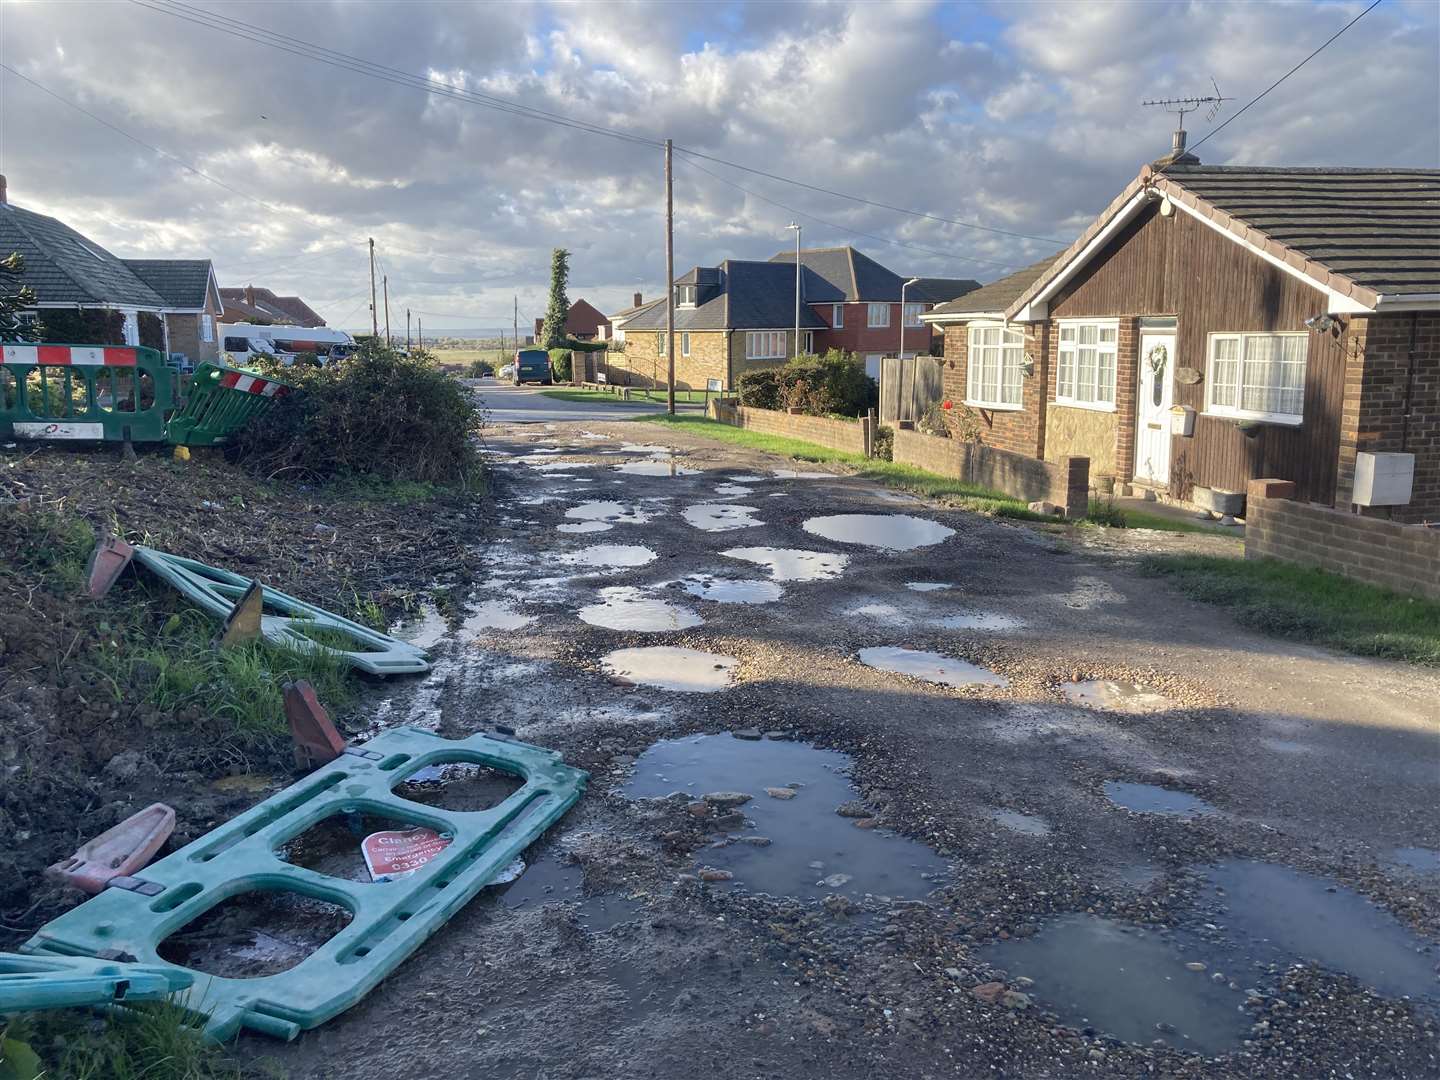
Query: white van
{"type": "Point", "coordinates": [241, 342]}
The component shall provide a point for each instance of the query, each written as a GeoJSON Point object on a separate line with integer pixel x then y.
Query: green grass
{"type": "Point", "coordinates": [589, 397]}
{"type": "Point", "coordinates": [902, 477]}
{"type": "Point", "coordinates": [1106, 513]}
{"type": "Point", "coordinates": [1305, 604]}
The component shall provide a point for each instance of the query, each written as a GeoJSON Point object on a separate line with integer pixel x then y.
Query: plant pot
{"type": "Point", "coordinates": [1104, 484]}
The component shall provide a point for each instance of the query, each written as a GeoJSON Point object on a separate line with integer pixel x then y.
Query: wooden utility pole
{"type": "Point", "coordinates": [385, 284]}
{"type": "Point", "coordinates": [669, 282]}
{"type": "Point", "coordinates": [420, 331]}
{"type": "Point", "coordinates": [407, 330]}
{"type": "Point", "coordinates": [374, 311]}
{"type": "Point", "coordinates": [516, 327]}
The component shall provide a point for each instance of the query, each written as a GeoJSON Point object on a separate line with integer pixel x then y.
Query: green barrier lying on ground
{"type": "Point", "coordinates": [30, 983]}
{"type": "Point", "coordinates": [221, 400]}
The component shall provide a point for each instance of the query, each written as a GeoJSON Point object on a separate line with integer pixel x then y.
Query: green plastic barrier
{"type": "Point", "coordinates": [390, 918]}
{"type": "Point", "coordinates": [216, 591]}
{"type": "Point", "coordinates": [85, 392]}
{"type": "Point", "coordinates": [30, 983]}
{"type": "Point", "coordinates": [219, 402]}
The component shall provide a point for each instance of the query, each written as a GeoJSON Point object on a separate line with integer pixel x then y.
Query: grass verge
{"type": "Point", "coordinates": [1106, 513]}
{"type": "Point", "coordinates": [902, 477]}
{"type": "Point", "coordinates": [1306, 604]}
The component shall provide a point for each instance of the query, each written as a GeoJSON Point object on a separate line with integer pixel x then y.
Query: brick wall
{"type": "Point", "coordinates": [857, 336]}
{"type": "Point", "coordinates": [1390, 554]}
{"type": "Point", "coordinates": [1392, 404]}
{"type": "Point", "coordinates": [1127, 385]}
{"type": "Point", "coordinates": [836, 434]}
{"type": "Point", "coordinates": [1018, 431]}
{"type": "Point", "coordinates": [708, 359]}
{"type": "Point", "coordinates": [1066, 482]}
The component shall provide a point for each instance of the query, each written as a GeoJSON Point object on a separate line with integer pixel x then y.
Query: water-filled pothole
{"type": "Point", "coordinates": [893, 532]}
{"type": "Point", "coordinates": [1028, 824]}
{"type": "Point", "coordinates": [1153, 799]}
{"type": "Point", "coordinates": [927, 586]}
{"type": "Point", "coordinates": [732, 491]}
{"type": "Point", "coordinates": [495, 615]}
{"type": "Point", "coordinates": [423, 630]}
{"type": "Point", "coordinates": [727, 590]}
{"type": "Point", "coordinates": [584, 527]}
{"type": "Point", "coordinates": [667, 667]}
{"type": "Point", "coordinates": [795, 474]}
{"type": "Point", "coordinates": [721, 517]}
{"type": "Point", "coordinates": [1121, 980]}
{"type": "Point", "coordinates": [608, 511]}
{"type": "Point", "coordinates": [332, 846]}
{"type": "Point", "coordinates": [981, 620]}
{"type": "Point", "coordinates": [653, 467]}
{"type": "Point", "coordinates": [931, 667]}
{"type": "Point", "coordinates": [254, 934]}
{"type": "Point", "coordinates": [624, 607]}
{"type": "Point", "coordinates": [1425, 860]}
{"type": "Point", "coordinates": [1115, 696]}
{"type": "Point", "coordinates": [459, 785]}
{"type": "Point", "coordinates": [548, 880]}
{"type": "Point", "coordinates": [812, 851]}
{"type": "Point", "coordinates": [609, 556]}
{"type": "Point", "coordinates": [792, 564]}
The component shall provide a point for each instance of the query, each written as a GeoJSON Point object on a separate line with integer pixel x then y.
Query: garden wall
{"type": "Point", "coordinates": [1065, 482]}
{"type": "Point", "coordinates": [1405, 558]}
{"type": "Point", "coordinates": [846, 435]}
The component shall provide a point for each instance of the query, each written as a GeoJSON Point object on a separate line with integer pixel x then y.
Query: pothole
{"type": "Point", "coordinates": [668, 667]}
{"type": "Point", "coordinates": [651, 467]}
{"type": "Point", "coordinates": [584, 527]}
{"type": "Point", "coordinates": [1089, 593]}
{"type": "Point", "coordinates": [720, 517]}
{"type": "Point", "coordinates": [732, 491]}
{"type": "Point", "coordinates": [332, 846]}
{"type": "Point", "coordinates": [1123, 981]}
{"type": "Point", "coordinates": [609, 556]}
{"type": "Point", "coordinates": [1153, 799]}
{"type": "Point", "coordinates": [931, 667]}
{"type": "Point", "coordinates": [1115, 696]}
{"type": "Point", "coordinates": [1027, 824]}
{"type": "Point", "coordinates": [927, 586]}
{"type": "Point", "coordinates": [795, 474]}
{"type": "Point", "coordinates": [548, 880]}
{"type": "Point", "coordinates": [893, 532]}
{"type": "Point", "coordinates": [981, 620]}
{"type": "Point", "coordinates": [624, 607]}
{"type": "Point", "coordinates": [727, 590]}
{"type": "Point", "coordinates": [464, 786]}
{"type": "Point", "coordinates": [424, 630]}
{"type": "Point", "coordinates": [792, 845]}
{"type": "Point", "coordinates": [495, 615]}
{"type": "Point", "coordinates": [792, 564]}
{"type": "Point", "coordinates": [1426, 860]}
{"type": "Point", "coordinates": [608, 511]}
{"type": "Point", "coordinates": [254, 934]}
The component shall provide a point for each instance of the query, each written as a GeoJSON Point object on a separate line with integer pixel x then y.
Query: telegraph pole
{"type": "Point", "coordinates": [407, 330]}
{"type": "Point", "coordinates": [669, 281]}
{"type": "Point", "coordinates": [420, 331]}
{"type": "Point", "coordinates": [374, 312]}
{"type": "Point", "coordinates": [385, 284]}
{"type": "Point", "coordinates": [516, 327]}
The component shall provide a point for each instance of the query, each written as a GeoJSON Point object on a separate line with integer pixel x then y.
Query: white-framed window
{"type": "Point", "coordinates": [660, 342]}
{"type": "Point", "coordinates": [1085, 364]}
{"type": "Point", "coordinates": [684, 295]}
{"type": "Point", "coordinates": [765, 345]}
{"type": "Point", "coordinates": [837, 316]}
{"type": "Point", "coordinates": [913, 313]}
{"type": "Point", "coordinates": [994, 367]}
{"type": "Point", "coordinates": [207, 327]}
{"type": "Point", "coordinates": [1257, 376]}
{"type": "Point", "coordinates": [684, 344]}
{"type": "Point", "coordinates": [877, 315]}
{"type": "Point", "coordinates": [808, 341]}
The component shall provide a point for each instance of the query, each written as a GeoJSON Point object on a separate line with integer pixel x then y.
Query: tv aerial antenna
{"type": "Point", "coordinates": [1183, 105]}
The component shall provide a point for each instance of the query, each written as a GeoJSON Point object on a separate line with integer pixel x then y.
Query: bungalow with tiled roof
{"type": "Point", "coordinates": [262, 307]}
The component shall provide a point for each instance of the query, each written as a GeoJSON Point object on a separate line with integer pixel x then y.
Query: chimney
{"type": "Point", "coordinates": [3, 197]}
{"type": "Point", "coordinates": [638, 299]}
{"type": "Point", "coordinates": [1178, 154]}
{"type": "Point", "coordinates": [250, 295]}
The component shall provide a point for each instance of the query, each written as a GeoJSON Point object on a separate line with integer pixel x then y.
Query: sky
{"type": "Point", "coordinates": [1024, 118]}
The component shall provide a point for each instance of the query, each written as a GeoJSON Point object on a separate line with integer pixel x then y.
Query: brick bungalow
{"type": "Point", "coordinates": [1292, 314]}
{"type": "Point", "coordinates": [263, 307]}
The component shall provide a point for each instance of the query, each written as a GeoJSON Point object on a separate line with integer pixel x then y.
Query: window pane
{"type": "Point", "coordinates": [1085, 373]}
{"type": "Point", "coordinates": [1012, 377]}
{"type": "Point", "coordinates": [1224, 371]}
{"type": "Point", "coordinates": [1065, 374]}
{"type": "Point", "coordinates": [1105, 377]}
{"type": "Point", "coordinates": [1067, 333]}
{"type": "Point", "coordinates": [1089, 335]}
{"type": "Point", "coordinates": [1108, 333]}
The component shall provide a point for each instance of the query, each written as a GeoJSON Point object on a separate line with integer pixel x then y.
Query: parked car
{"type": "Point", "coordinates": [507, 372]}
{"type": "Point", "coordinates": [532, 365]}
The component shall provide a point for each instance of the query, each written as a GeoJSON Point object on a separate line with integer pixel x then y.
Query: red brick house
{"type": "Point", "coordinates": [1219, 324]}
{"type": "Point", "coordinates": [261, 307]}
{"type": "Point", "coordinates": [858, 301]}
{"type": "Point", "coordinates": [583, 322]}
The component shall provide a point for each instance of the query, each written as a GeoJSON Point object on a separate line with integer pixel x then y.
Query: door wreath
{"type": "Point", "coordinates": [1156, 358]}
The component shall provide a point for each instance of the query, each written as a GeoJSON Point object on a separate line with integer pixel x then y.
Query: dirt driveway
{"type": "Point", "coordinates": [990, 861]}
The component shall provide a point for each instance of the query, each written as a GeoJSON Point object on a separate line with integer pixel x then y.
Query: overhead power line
{"type": "Point", "coordinates": [1287, 75]}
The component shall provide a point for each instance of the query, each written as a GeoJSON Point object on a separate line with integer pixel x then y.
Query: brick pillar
{"type": "Point", "coordinates": [1077, 486]}
{"type": "Point", "coordinates": [1127, 382]}
{"type": "Point", "coordinates": [1037, 346]}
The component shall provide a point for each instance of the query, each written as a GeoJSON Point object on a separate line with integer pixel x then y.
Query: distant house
{"type": "Point", "coordinates": [583, 322]}
{"type": "Point", "coordinates": [729, 318]}
{"type": "Point", "coordinates": [167, 304]}
{"type": "Point", "coordinates": [617, 320]}
{"type": "Point", "coordinates": [858, 301]}
{"type": "Point", "coordinates": [261, 307]}
{"type": "Point", "coordinates": [1216, 325]}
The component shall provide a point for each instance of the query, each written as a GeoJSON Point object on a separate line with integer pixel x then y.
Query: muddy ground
{"type": "Point", "coordinates": [951, 884]}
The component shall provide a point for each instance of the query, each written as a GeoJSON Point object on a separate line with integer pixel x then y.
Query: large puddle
{"type": "Point", "coordinates": [652, 467]}
{"type": "Point", "coordinates": [792, 564]}
{"type": "Point", "coordinates": [609, 556]}
{"type": "Point", "coordinates": [981, 620]}
{"type": "Point", "coordinates": [624, 607]}
{"type": "Point", "coordinates": [424, 630]}
{"type": "Point", "coordinates": [721, 517]}
{"type": "Point", "coordinates": [726, 590]}
{"type": "Point", "coordinates": [1115, 696]}
{"type": "Point", "coordinates": [609, 512]}
{"type": "Point", "coordinates": [668, 667]}
{"type": "Point", "coordinates": [1153, 799]}
{"type": "Point", "coordinates": [809, 850]}
{"type": "Point", "coordinates": [496, 615]}
{"type": "Point", "coordinates": [584, 527]}
{"type": "Point", "coordinates": [1425, 860]}
{"type": "Point", "coordinates": [893, 532]}
{"type": "Point", "coordinates": [931, 667]}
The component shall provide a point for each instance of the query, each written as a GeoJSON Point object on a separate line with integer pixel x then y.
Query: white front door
{"type": "Point", "coordinates": [1152, 412]}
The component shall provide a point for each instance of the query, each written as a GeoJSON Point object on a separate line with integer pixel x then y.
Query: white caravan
{"type": "Point", "coordinates": [243, 341]}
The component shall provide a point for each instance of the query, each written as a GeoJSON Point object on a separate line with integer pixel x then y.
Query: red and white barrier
{"type": "Point", "coordinates": [252, 384]}
{"type": "Point", "coordinates": [71, 355]}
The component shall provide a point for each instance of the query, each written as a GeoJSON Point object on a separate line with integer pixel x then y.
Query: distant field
{"type": "Point", "coordinates": [463, 357]}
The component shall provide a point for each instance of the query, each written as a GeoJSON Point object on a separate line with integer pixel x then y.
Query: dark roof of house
{"type": "Point", "coordinates": [65, 267]}
{"type": "Point", "coordinates": [938, 290]}
{"type": "Point", "coordinates": [283, 309]}
{"type": "Point", "coordinates": [752, 296]}
{"type": "Point", "coordinates": [842, 274]}
{"type": "Point", "coordinates": [1379, 228]}
{"type": "Point", "coordinates": [998, 295]}
{"type": "Point", "coordinates": [584, 318]}
{"type": "Point", "coordinates": [180, 282]}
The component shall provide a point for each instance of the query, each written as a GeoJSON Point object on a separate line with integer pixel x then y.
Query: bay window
{"type": "Point", "coordinates": [994, 367]}
{"type": "Point", "coordinates": [1257, 376]}
{"type": "Point", "coordinates": [1085, 363]}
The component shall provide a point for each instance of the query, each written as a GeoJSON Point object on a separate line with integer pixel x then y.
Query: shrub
{"type": "Point", "coordinates": [932, 422]}
{"type": "Point", "coordinates": [480, 368]}
{"type": "Point", "coordinates": [382, 413]}
{"type": "Point", "coordinates": [884, 443]}
{"type": "Point", "coordinates": [1105, 512]}
{"type": "Point", "coordinates": [759, 389]}
{"type": "Point", "coordinates": [822, 385]}
{"type": "Point", "coordinates": [561, 366]}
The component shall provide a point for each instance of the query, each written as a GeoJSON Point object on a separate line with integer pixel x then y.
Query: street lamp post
{"type": "Point", "coordinates": [903, 287]}
{"type": "Point", "coordinates": [797, 228]}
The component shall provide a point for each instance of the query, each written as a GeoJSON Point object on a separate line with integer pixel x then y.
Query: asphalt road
{"type": "Point", "coordinates": [506, 404]}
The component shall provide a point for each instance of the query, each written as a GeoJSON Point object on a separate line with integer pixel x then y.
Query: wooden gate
{"type": "Point", "coordinates": [908, 387]}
